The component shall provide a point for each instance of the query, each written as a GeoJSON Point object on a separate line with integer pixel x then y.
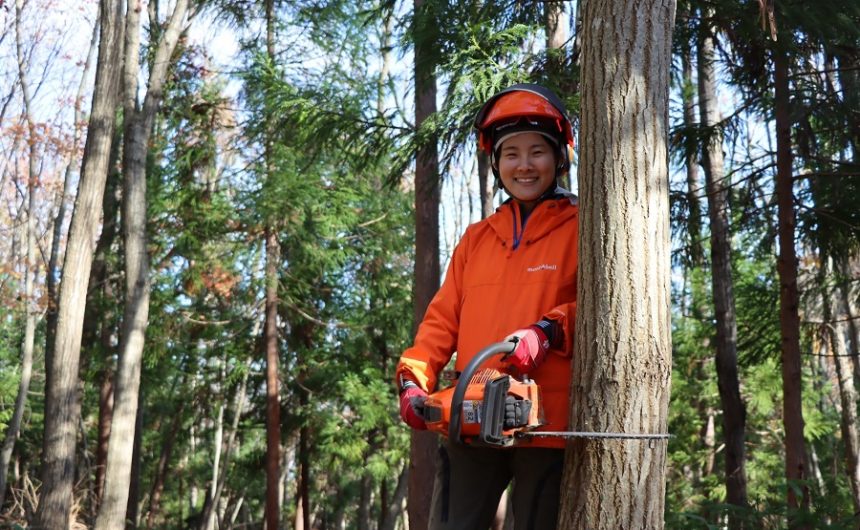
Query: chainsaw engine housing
{"type": "Point", "coordinates": [488, 395]}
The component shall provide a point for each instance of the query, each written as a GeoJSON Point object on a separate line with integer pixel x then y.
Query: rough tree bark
{"type": "Point", "coordinates": [61, 399]}
{"type": "Point", "coordinates": [717, 186]}
{"type": "Point", "coordinates": [622, 352]}
{"type": "Point", "coordinates": [422, 451]}
{"type": "Point", "coordinates": [139, 122]}
{"type": "Point", "coordinates": [796, 471]}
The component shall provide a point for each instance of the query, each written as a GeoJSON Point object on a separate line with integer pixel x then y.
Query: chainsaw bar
{"type": "Point", "coordinates": [585, 434]}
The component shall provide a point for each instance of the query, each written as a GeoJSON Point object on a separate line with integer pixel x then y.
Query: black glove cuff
{"type": "Point", "coordinates": [406, 384]}
{"type": "Point", "coordinates": [550, 329]}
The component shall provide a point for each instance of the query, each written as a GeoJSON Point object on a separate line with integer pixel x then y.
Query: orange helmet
{"type": "Point", "coordinates": [522, 107]}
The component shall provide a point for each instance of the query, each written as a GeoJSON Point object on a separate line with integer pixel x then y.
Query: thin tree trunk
{"type": "Point", "coordinates": [734, 410]}
{"type": "Point", "coordinates": [556, 36]}
{"type": "Point", "coordinates": [62, 197]}
{"type": "Point", "coordinates": [208, 519]}
{"type": "Point", "coordinates": [850, 308]}
{"type": "Point", "coordinates": [363, 522]}
{"type": "Point", "coordinates": [138, 127]}
{"type": "Point", "coordinates": [422, 450]}
{"type": "Point", "coordinates": [270, 333]}
{"type": "Point", "coordinates": [486, 184]}
{"type": "Point", "coordinates": [304, 493]}
{"type": "Point", "coordinates": [792, 408]}
{"type": "Point", "coordinates": [622, 353]}
{"type": "Point", "coordinates": [694, 219]}
{"type": "Point", "coordinates": [392, 513]}
{"type": "Point", "coordinates": [99, 326]}
{"type": "Point", "coordinates": [169, 441]}
{"type": "Point", "coordinates": [845, 376]}
{"type": "Point", "coordinates": [104, 422]}
{"type": "Point", "coordinates": [63, 357]}
{"type": "Point", "coordinates": [31, 267]}
{"type": "Point", "coordinates": [132, 510]}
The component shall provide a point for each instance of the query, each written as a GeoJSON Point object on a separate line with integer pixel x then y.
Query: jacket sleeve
{"type": "Point", "coordinates": [436, 339]}
{"type": "Point", "coordinates": [565, 316]}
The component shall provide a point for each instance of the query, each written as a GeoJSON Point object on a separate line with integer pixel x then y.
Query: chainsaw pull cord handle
{"type": "Point", "coordinates": [463, 383]}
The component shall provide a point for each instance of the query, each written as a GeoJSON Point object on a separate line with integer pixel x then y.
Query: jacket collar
{"type": "Point", "coordinates": [551, 212]}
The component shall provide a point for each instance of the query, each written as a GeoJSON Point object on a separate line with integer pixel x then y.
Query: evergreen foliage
{"type": "Point", "coordinates": [337, 188]}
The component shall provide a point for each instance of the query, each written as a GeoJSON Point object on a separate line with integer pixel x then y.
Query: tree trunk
{"type": "Point", "coordinates": [138, 127]}
{"type": "Point", "coordinates": [31, 267]}
{"type": "Point", "coordinates": [392, 513]}
{"type": "Point", "coordinates": [622, 352]}
{"type": "Point", "coordinates": [363, 522]}
{"type": "Point", "coordinates": [133, 506]}
{"type": "Point", "coordinates": [835, 327]}
{"type": "Point", "coordinates": [63, 195]}
{"type": "Point", "coordinates": [99, 325]}
{"type": "Point", "coordinates": [717, 186]}
{"type": "Point", "coordinates": [270, 333]}
{"type": "Point", "coordinates": [694, 209]}
{"type": "Point", "coordinates": [104, 423]}
{"type": "Point", "coordinates": [304, 492]}
{"type": "Point", "coordinates": [169, 441]}
{"type": "Point", "coordinates": [556, 36]}
{"type": "Point", "coordinates": [208, 519]}
{"type": "Point", "coordinates": [792, 408]}
{"type": "Point", "coordinates": [63, 357]}
{"type": "Point", "coordinates": [486, 184]}
{"type": "Point", "coordinates": [422, 451]}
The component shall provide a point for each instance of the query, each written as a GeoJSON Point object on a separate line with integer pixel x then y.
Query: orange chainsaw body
{"type": "Point", "coordinates": [483, 408]}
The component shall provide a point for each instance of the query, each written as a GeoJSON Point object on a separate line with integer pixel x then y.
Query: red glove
{"type": "Point", "coordinates": [532, 345]}
{"type": "Point", "coordinates": [412, 406]}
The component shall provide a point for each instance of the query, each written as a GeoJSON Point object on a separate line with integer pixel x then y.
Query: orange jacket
{"type": "Point", "coordinates": [492, 289]}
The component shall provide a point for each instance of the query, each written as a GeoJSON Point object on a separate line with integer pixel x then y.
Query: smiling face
{"type": "Point", "coordinates": [527, 166]}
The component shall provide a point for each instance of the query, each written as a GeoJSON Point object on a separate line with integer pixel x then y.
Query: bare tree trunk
{"type": "Point", "coordinates": [622, 353]}
{"type": "Point", "coordinates": [486, 184]}
{"type": "Point", "coordinates": [63, 357]}
{"type": "Point", "coordinates": [694, 219]}
{"type": "Point", "coordinates": [99, 326]}
{"type": "Point", "coordinates": [304, 493]}
{"type": "Point", "coordinates": [422, 451]}
{"type": "Point", "coordinates": [62, 197]}
{"type": "Point", "coordinates": [270, 333]}
{"type": "Point", "coordinates": [392, 513]}
{"type": "Point", "coordinates": [734, 410]}
{"type": "Point", "coordinates": [138, 127]}
{"type": "Point", "coordinates": [169, 441]}
{"type": "Point", "coordinates": [31, 267]}
{"type": "Point", "coordinates": [835, 327]}
{"type": "Point", "coordinates": [105, 419]}
{"type": "Point", "coordinates": [795, 453]}
{"type": "Point", "coordinates": [133, 506]}
{"type": "Point", "coordinates": [556, 36]}
{"type": "Point", "coordinates": [208, 519]}
{"type": "Point", "coordinates": [363, 522]}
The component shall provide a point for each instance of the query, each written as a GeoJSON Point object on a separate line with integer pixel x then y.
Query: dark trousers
{"type": "Point", "coordinates": [470, 482]}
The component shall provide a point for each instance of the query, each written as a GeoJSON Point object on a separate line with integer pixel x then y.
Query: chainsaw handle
{"type": "Point", "coordinates": [463, 383]}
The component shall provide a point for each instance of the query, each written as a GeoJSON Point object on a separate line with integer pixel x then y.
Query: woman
{"type": "Point", "coordinates": [512, 277]}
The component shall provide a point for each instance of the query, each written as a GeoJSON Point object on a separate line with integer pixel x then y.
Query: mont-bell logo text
{"type": "Point", "coordinates": [542, 267]}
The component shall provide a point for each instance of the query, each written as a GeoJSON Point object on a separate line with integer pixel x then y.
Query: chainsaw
{"type": "Point", "coordinates": [491, 408]}
{"type": "Point", "coordinates": [485, 407]}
